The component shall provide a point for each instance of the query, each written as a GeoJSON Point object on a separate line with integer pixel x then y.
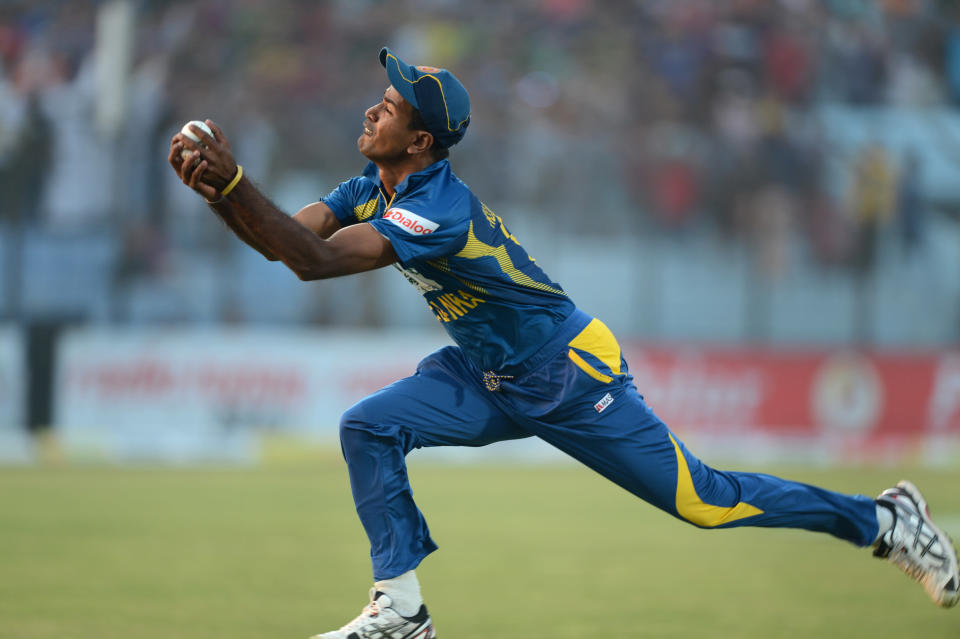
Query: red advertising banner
{"type": "Point", "coordinates": [864, 403]}
{"type": "Point", "coordinates": [190, 394]}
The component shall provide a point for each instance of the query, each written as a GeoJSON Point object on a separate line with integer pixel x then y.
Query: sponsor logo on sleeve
{"type": "Point", "coordinates": [410, 222]}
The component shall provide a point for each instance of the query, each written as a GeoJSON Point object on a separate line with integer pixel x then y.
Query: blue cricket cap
{"type": "Point", "coordinates": [439, 97]}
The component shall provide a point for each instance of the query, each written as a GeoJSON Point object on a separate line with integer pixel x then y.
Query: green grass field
{"type": "Point", "coordinates": [526, 552]}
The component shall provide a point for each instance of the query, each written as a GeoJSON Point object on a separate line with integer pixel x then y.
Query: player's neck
{"type": "Point", "coordinates": [392, 174]}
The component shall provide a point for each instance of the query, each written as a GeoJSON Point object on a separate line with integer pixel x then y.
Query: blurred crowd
{"type": "Point", "coordinates": [653, 116]}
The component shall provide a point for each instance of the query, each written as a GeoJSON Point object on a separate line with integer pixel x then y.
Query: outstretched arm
{"type": "Point", "coordinates": [352, 249]}
{"type": "Point", "coordinates": [311, 244]}
{"type": "Point", "coordinates": [183, 159]}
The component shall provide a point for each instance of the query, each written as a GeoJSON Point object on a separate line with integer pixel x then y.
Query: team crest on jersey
{"type": "Point", "coordinates": [424, 284]}
{"type": "Point", "coordinates": [410, 221]}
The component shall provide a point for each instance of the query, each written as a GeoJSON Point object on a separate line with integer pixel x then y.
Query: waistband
{"type": "Point", "coordinates": [568, 329]}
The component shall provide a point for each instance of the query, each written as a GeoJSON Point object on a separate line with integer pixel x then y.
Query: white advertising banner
{"type": "Point", "coordinates": [197, 395]}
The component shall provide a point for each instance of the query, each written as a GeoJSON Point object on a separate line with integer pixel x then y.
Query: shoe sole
{"type": "Point", "coordinates": [948, 598]}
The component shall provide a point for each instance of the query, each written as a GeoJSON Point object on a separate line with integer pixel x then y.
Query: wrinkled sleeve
{"type": "Point", "coordinates": [344, 201]}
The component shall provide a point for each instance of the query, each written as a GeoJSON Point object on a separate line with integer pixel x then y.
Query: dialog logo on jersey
{"type": "Point", "coordinates": [410, 222]}
{"type": "Point", "coordinates": [605, 401]}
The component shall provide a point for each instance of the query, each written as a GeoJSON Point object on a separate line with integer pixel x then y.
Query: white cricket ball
{"type": "Point", "coordinates": [185, 153]}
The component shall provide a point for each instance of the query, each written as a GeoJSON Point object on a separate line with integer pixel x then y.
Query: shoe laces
{"type": "Point", "coordinates": [917, 548]}
{"type": "Point", "coordinates": [370, 611]}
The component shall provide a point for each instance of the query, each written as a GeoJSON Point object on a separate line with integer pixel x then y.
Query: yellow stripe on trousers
{"type": "Point", "coordinates": [597, 340]}
{"type": "Point", "coordinates": [694, 510]}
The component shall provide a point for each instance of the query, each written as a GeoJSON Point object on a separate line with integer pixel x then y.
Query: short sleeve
{"type": "Point", "coordinates": [416, 234]}
{"type": "Point", "coordinates": [345, 199]}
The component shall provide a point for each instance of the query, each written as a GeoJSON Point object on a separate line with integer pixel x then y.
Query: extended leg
{"type": "Point", "coordinates": [440, 405]}
{"type": "Point", "coordinates": [599, 418]}
{"type": "Point", "coordinates": [634, 448]}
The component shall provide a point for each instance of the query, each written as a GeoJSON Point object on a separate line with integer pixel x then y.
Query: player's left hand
{"type": "Point", "coordinates": [208, 168]}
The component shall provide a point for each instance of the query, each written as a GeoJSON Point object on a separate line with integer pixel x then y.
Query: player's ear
{"type": "Point", "coordinates": [421, 142]}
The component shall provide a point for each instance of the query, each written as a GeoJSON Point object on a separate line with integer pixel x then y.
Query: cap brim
{"type": "Point", "coordinates": [398, 73]}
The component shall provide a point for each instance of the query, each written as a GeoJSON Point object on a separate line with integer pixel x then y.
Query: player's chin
{"type": "Point", "coordinates": [368, 150]}
{"type": "Point", "coordinates": [364, 146]}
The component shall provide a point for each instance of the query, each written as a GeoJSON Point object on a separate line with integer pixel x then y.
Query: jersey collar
{"type": "Point", "coordinates": [372, 173]}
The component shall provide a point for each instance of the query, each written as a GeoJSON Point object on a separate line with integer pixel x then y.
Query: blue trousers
{"type": "Point", "coordinates": [576, 394]}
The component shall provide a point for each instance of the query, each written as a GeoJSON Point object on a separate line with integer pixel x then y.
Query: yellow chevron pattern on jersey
{"type": "Point", "coordinates": [441, 264]}
{"type": "Point", "coordinates": [365, 210]}
{"type": "Point", "coordinates": [490, 215]}
{"type": "Point", "coordinates": [475, 249]}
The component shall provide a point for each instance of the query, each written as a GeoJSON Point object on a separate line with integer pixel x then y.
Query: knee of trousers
{"type": "Point", "coordinates": [705, 497]}
{"type": "Point", "coordinates": [360, 430]}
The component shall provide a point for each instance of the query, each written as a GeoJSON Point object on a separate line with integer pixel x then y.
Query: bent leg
{"type": "Point", "coordinates": [438, 406]}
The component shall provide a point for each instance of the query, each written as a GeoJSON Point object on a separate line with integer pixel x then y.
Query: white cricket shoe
{"type": "Point", "coordinates": [914, 543]}
{"type": "Point", "coordinates": [379, 621]}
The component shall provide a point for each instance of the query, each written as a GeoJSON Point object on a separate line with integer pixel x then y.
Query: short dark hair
{"type": "Point", "coordinates": [417, 124]}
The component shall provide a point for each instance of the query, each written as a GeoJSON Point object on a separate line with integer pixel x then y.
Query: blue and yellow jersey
{"type": "Point", "coordinates": [492, 298]}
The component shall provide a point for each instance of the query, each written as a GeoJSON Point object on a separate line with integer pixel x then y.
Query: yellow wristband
{"type": "Point", "coordinates": [233, 182]}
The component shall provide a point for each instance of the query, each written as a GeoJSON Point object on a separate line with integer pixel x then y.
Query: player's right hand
{"type": "Point", "coordinates": [206, 169]}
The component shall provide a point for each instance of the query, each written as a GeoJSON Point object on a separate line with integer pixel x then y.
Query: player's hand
{"type": "Point", "coordinates": [207, 169]}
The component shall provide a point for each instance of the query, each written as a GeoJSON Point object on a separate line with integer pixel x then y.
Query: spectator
{"type": "Point", "coordinates": [873, 202]}
{"type": "Point", "coordinates": [910, 214]}
{"type": "Point", "coordinates": [744, 83]}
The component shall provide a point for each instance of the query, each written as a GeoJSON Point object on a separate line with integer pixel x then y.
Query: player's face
{"type": "Point", "coordinates": [386, 129]}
